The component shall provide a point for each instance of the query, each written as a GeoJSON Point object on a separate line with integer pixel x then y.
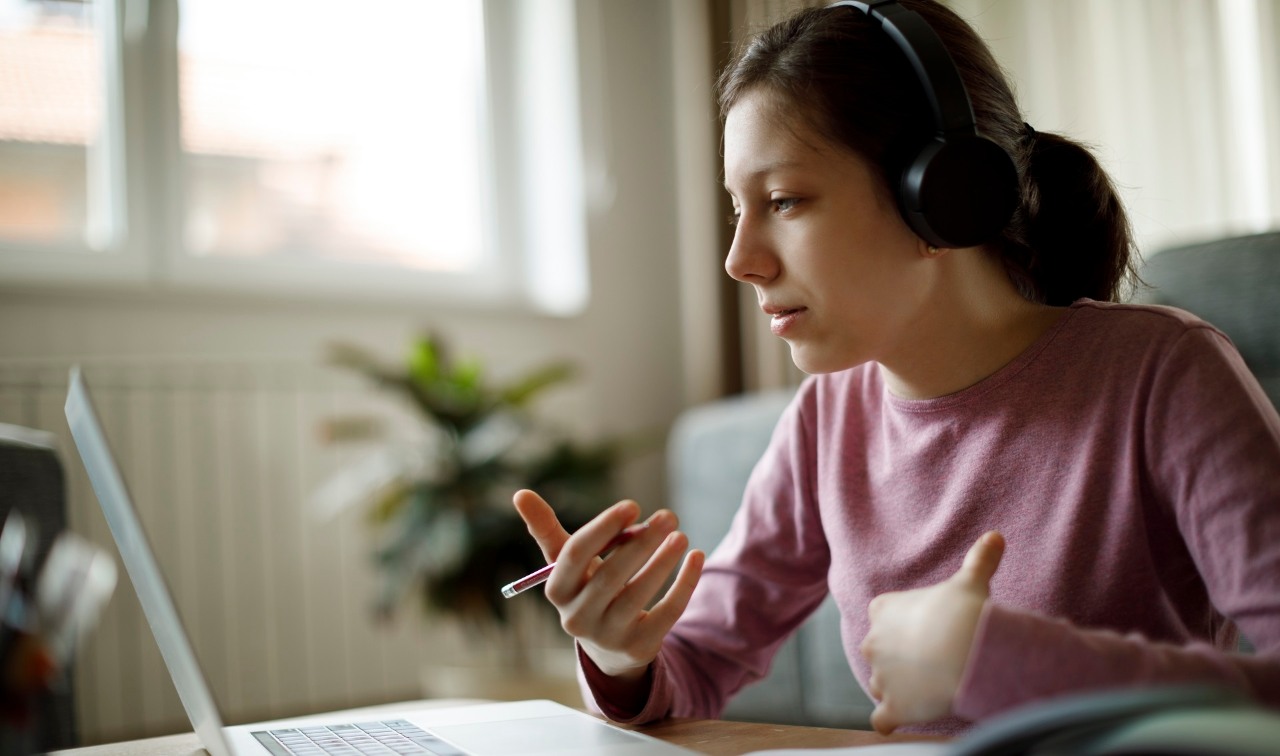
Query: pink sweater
{"type": "Point", "coordinates": [1131, 462]}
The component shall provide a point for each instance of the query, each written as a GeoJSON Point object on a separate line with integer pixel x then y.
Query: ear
{"type": "Point", "coordinates": [930, 251]}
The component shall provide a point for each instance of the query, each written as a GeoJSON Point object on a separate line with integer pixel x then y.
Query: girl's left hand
{"type": "Point", "coordinates": [919, 640]}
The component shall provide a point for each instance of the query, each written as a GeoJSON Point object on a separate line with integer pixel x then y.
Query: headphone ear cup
{"type": "Point", "coordinates": [959, 192]}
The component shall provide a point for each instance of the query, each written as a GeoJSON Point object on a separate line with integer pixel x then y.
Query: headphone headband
{"type": "Point", "coordinates": [959, 189]}
{"type": "Point", "coordinates": [934, 67]}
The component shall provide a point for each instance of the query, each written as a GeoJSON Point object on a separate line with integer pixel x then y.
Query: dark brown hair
{"type": "Point", "coordinates": [850, 83]}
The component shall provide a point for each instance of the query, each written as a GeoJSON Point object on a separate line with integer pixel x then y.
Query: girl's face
{"type": "Point", "coordinates": [839, 273]}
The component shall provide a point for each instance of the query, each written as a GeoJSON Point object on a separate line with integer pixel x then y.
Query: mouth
{"type": "Point", "coordinates": [784, 320]}
{"type": "Point", "coordinates": [781, 312]}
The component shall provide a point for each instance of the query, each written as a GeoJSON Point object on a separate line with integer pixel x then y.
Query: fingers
{"type": "Point", "coordinates": [878, 603]}
{"type": "Point", "coordinates": [649, 581]}
{"type": "Point", "coordinates": [610, 608]}
{"type": "Point", "coordinates": [541, 520]}
{"type": "Point", "coordinates": [577, 561]}
{"type": "Point", "coordinates": [665, 613]}
{"type": "Point", "coordinates": [632, 576]}
{"type": "Point", "coordinates": [588, 541]}
{"type": "Point", "coordinates": [883, 719]}
{"type": "Point", "coordinates": [918, 641]}
{"type": "Point", "coordinates": [602, 601]}
{"type": "Point", "coordinates": [981, 562]}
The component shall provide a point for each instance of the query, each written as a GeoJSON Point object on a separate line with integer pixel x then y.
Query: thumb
{"type": "Point", "coordinates": [981, 562]}
{"type": "Point", "coordinates": [542, 523]}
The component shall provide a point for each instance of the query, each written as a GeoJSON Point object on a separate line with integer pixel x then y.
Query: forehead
{"type": "Point", "coordinates": [762, 134]}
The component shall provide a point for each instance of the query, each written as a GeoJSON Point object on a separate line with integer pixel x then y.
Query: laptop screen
{"type": "Point", "coordinates": [139, 561]}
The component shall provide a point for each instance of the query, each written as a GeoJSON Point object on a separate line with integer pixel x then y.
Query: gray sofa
{"type": "Point", "coordinates": [1233, 283]}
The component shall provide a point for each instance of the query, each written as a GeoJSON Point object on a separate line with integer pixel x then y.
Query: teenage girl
{"type": "Point", "coordinates": [969, 388]}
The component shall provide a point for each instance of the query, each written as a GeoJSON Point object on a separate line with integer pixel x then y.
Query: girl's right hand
{"type": "Point", "coordinates": [602, 602]}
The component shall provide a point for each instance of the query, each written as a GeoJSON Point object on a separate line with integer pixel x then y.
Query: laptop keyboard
{"type": "Point", "coordinates": [394, 737]}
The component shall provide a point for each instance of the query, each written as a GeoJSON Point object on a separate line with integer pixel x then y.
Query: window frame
{"type": "Point", "coordinates": [140, 165]}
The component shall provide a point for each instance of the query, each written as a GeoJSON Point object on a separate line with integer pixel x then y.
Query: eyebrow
{"type": "Point", "coordinates": [763, 170]}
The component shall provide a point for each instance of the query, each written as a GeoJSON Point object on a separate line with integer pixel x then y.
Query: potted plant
{"type": "Point", "coordinates": [446, 533]}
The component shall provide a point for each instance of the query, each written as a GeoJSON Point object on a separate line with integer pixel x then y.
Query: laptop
{"type": "Point", "coordinates": [517, 727]}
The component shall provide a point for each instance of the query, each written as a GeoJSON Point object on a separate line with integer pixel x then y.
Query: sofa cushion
{"type": "Point", "coordinates": [1233, 283]}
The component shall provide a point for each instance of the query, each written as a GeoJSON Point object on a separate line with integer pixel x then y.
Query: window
{"type": "Point", "coordinates": [51, 122]}
{"type": "Point", "coordinates": [390, 148]}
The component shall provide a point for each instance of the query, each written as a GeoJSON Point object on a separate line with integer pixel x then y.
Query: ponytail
{"type": "Point", "coordinates": [1070, 238]}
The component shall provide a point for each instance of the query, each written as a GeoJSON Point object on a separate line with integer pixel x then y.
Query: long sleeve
{"type": "Point", "coordinates": [1212, 452]}
{"type": "Point", "coordinates": [767, 575]}
{"type": "Point", "coordinates": [1021, 656]}
{"type": "Point", "coordinates": [1129, 458]}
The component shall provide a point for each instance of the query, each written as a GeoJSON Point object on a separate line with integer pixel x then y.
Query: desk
{"type": "Point", "coordinates": [707, 736]}
{"type": "Point", "coordinates": [720, 738]}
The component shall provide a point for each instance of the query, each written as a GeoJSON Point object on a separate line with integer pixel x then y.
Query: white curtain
{"type": "Point", "coordinates": [1180, 99]}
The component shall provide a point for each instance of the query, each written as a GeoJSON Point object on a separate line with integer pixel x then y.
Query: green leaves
{"type": "Point", "coordinates": [452, 393]}
{"type": "Point", "coordinates": [452, 537]}
{"type": "Point", "coordinates": [522, 391]}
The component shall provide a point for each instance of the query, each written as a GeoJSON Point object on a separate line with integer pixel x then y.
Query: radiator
{"type": "Point", "coordinates": [222, 460]}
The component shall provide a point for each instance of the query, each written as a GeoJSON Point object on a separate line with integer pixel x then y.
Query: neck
{"type": "Point", "coordinates": [974, 322]}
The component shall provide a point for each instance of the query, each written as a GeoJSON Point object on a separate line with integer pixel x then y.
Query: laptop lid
{"type": "Point", "coordinates": [139, 561]}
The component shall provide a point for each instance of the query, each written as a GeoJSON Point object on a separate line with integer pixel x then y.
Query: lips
{"type": "Point", "coordinates": [776, 312]}
{"type": "Point", "coordinates": [782, 319]}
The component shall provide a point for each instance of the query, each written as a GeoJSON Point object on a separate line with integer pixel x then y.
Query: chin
{"type": "Point", "coordinates": [813, 362]}
{"type": "Point", "coordinates": [817, 362]}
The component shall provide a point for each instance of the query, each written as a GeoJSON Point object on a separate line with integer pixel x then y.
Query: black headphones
{"type": "Point", "coordinates": [960, 188]}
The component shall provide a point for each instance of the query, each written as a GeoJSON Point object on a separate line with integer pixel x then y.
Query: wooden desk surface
{"type": "Point", "coordinates": [716, 737]}
{"type": "Point", "coordinates": [722, 738]}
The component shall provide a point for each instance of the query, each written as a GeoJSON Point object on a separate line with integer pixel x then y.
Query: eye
{"type": "Point", "coordinates": [732, 219]}
{"type": "Point", "coordinates": [784, 204]}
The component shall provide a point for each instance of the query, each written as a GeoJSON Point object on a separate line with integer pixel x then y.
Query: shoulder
{"type": "Point", "coordinates": [1130, 320]}
{"type": "Point", "coordinates": [1130, 332]}
{"type": "Point", "coordinates": [1170, 354]}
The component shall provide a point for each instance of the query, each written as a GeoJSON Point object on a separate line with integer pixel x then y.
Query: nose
{"type": "Point", "coordinates": [751, 258]}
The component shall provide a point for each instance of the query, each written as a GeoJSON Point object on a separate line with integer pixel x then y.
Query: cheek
{"type": "Point", "coordinates": [862, 274]}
